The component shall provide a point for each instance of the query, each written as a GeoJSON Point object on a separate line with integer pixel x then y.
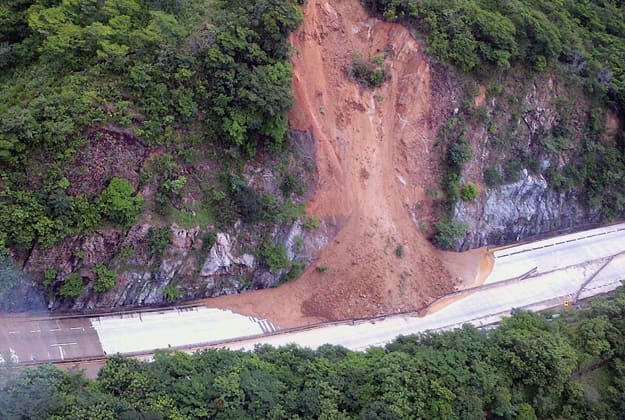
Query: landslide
{"type": "Point", "coordinates": [376, 158]}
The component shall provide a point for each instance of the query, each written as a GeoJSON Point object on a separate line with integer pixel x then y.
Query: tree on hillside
{"type": "Point", "coordinates": [119, 204]}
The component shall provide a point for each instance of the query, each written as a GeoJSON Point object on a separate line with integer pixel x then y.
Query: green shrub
{"type": "Point", "coordinates": [105, 278]}
{"type": "Point", "coordinates": [512, 171]}
{"type": "Point", "coordinates": [378, 59]}
{"type": "Point", "coordinates": [468, 192]}
{"type": "Point", "coordinates": [596, 120]}
{"type": "Point", "coordinates": [73, 286]}
{"type": "Point", "coordinates": [291, 185]}
{"type": "Point", "coordinates": [209, 240]}
{"type": "Point", "coordinates": [159, 240]}
{"type": "Point", "coordinates": [276, 257]}
{"type": "Point", "coordinates": [248, 201]}
{"type": "Point", "coordinates": [49, 275]}
{"type": "Point", "coordinates": [310, 223]}
{"type": "Point", "coordinates": [459, 153]}
{"type": "Point", "coordinates": [558, 181]}
{"type": "Point", "coordinates": [172, 187]}
{"type": "Point", "coordinates": [368, 73]}
{"type": "Point", "coordinates": [171, 293]}
{"type": "Point", "coordinates": [126, 252]}
{"type": "Point", "coordinates": [322, 269]}
{"type": "Point", "coordinates": [119, 204]}
{"type": "Point", "coordinates": [297, 268]}
{"type": "Point", "coordinates": [452, 185]}
{"type": "Point", "coordinates": [449, 233]}
{"type": "Point", "coordinates": [162, 203]}
{"type": "Point", "coordinates": [298, 244]}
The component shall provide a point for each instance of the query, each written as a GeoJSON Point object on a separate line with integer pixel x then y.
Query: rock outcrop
{"type": "Point", "coordinates": [530, 134]}
{"type": "Point", "coordinates": [513, 212]}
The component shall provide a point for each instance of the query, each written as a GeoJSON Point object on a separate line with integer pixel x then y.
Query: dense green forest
{"type": "Point", "coordinates": [531, 366]}
{"type": "Point", "coordinates": [175, 74]}
{"type": "Point", "coordinates": [482, 35]}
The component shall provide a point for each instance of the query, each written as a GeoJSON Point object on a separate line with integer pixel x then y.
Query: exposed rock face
{"type": "Point", "coordinates": [515, 138]}
{"type": "Point", "coordinates": [516, 211]}
{"type": "Point", "coordinates": [228, 267]}
{"type": "Point", "coordinates": [74, 252]}
{"type": "Point", "coordinates": [220, 259]}
{"type": "Point", "coordinates": [111, 152]}
{"type": "Point", "coordinates": [183, 267]}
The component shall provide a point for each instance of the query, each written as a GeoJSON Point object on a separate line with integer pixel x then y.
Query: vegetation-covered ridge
{"type": "Point", "coordinates": [481, 35]}
{"type": "Point", "coordinates": [114, 109]}
{"type": "Point", "coordinates": [173, 74]}
{"type": "Point", "coordinates": [531, 366]}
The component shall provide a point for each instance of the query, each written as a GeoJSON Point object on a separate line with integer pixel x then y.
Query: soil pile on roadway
{"type": "Point", "coordinates": [376, 159]}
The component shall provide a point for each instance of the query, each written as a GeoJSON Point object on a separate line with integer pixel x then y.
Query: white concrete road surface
{"type": "Point", "coordinates": [479, 308]}
{"type": "Point", "coordinates": [559, 252]}
{"type": "Point", "coordinates": [138, 332]}
{"type": "Point", "coordinates": [557, 268]}
{"type": "Point", "coordinates": [563, 265]}
{"type": "Point", "coordinates": [42, 339]}
{"type": "Point", "coordinates": [32, 339]}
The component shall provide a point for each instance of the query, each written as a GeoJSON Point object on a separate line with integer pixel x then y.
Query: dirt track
{"type": "Point", "coordinates": [375, 158]}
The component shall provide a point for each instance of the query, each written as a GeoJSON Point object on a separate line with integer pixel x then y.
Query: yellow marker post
{"type": "Point", "coordinates": [566, 303]}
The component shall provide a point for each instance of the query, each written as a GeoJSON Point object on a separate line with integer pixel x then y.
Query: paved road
{"type": "Point", "coordinates": [479, 308]}
{"type": "Point", "coordinates": [37, 339]}
{"type": "Point", "coordinates": [556, 253]}
{"type": "Point", "coordinates": [563, 265]}
{"type": "Point", "coordinates": [24, 340]}
{"type": "Point", "coordinates": [138, 332]}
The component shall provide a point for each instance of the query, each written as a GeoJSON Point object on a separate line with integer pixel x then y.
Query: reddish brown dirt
{"type": "Point", "coordinates": [612, 125]}
{"type": "Point", "coordinates": [375, 158]}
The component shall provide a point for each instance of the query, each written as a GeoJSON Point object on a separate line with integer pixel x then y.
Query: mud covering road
{"type": "Point", "coordinates": [376, 158]}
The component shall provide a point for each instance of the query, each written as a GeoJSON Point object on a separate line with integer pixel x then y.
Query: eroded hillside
{"type": "Point", "coordinates": [376, 158]}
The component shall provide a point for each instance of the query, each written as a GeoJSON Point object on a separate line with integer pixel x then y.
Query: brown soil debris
{"type": "Point", "coordinates": [375, 158]}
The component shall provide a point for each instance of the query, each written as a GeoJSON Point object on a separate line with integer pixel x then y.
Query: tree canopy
{"type": "Point", "coordinates": [588, 37]}
{"type": "Point", "coordinates": [159, 70]}
{"type": "Point", "coordinates": [531, 366]}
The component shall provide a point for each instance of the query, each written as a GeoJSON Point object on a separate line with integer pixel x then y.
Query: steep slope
{"type": "Point", "coordinates": [376, 158]}
{"type": "Point", "coordinates": [370, 141]}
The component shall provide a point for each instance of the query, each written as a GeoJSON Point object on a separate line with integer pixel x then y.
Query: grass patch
{"type": "Point", "coordinates": [188, 218]}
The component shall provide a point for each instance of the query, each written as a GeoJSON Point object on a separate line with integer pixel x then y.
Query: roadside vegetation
{"type": "Point", "coordinates": [567, 365]}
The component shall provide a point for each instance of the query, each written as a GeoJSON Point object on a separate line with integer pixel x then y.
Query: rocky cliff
{"type": "Point", "coordinates": [517, 211]}
{"type": "Point", "coordinates": [183, 254]}
{"type": "Point", "coordinates": [529, 145]}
